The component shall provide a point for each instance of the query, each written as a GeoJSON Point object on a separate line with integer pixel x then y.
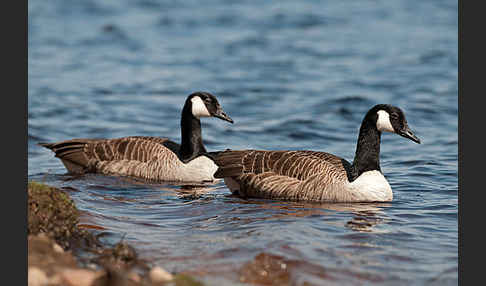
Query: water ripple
{"type": "Point", "coordinates": [292, 75]}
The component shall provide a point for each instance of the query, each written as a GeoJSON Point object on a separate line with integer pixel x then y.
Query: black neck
{"type": "Point", "coordinates": [367, 157]}
{"type": "Point", "coordinates": [191, 138]}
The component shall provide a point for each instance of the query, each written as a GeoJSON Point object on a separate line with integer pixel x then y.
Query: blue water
{"type": "Point", "coordinates": [293, 75]}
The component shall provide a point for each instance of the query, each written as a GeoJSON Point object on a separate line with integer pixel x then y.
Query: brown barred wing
{"type": "Point", "coordinates": [299, 165]}
{"type": "Point", "coordinates": [288, 175]}
{"type": "Point", "coordinates": [88, 155]}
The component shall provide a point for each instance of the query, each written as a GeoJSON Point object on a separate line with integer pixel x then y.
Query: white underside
{"type": "Point", "coordinates": [200, 169]}
{"type": "Point", "coordinates": [169, 169]}
{"type": "Point", "coordinates": [370, 186]}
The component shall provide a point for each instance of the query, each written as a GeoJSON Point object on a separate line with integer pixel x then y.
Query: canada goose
{"type": "Point", "coordinates": [147, 157]}
{"type": "Point", "coordinates": [317, 176]}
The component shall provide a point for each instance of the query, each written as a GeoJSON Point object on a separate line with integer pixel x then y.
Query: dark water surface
{"type": "Point", "coordinates": [293, 75]}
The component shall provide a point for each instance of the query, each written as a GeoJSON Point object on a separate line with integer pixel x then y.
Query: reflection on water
{"type": "Point", "coordinates": [365, 215]}
{"type": "Point", "coordinates": [205, 230]}
{"type": "Point", "coordinates": [293, 75]}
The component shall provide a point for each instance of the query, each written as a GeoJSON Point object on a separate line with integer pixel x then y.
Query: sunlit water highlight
{"type": "Point", "coordinates": [292, 75]}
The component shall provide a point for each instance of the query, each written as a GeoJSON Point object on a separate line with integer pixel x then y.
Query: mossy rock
{"type": "Point", "coordinates": [52, 212]}
{"type": "Point", "coordinates": [186, 280]}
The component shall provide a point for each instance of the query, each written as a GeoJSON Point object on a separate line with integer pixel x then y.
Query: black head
{"type": "Point", "coordinates": [389, 118]}
{"type": "Point", "coordinates": [204, 104]}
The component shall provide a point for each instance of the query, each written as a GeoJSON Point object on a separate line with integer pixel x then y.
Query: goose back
{"type": "Point", "coordinates": [146, 157]}
{"type": "Point", "coordinates": [291, 175]}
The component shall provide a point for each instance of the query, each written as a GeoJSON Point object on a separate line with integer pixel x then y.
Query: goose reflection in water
{"type": "Point", "coordinates": [365, 215]}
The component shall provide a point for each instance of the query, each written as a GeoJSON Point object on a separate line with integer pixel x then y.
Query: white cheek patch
{"type": "Point", "coordinates": [199, 108]}
{"type": "Point", "coordinates": [383, 123]}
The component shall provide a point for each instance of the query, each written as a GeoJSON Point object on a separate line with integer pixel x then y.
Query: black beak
{"type": "Point", "coordinates": [222, 115]}
{"type": "Point", "coordinates": [407, 133]}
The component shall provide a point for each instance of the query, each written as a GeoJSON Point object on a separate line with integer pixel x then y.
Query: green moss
{"type": "Point", "coordinates": [52, 212]}
{"type": "Point", "coordinates": [186, 280]}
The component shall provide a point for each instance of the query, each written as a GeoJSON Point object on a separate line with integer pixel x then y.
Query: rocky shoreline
{"type": "Point", "coordinates": [61, 253]}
